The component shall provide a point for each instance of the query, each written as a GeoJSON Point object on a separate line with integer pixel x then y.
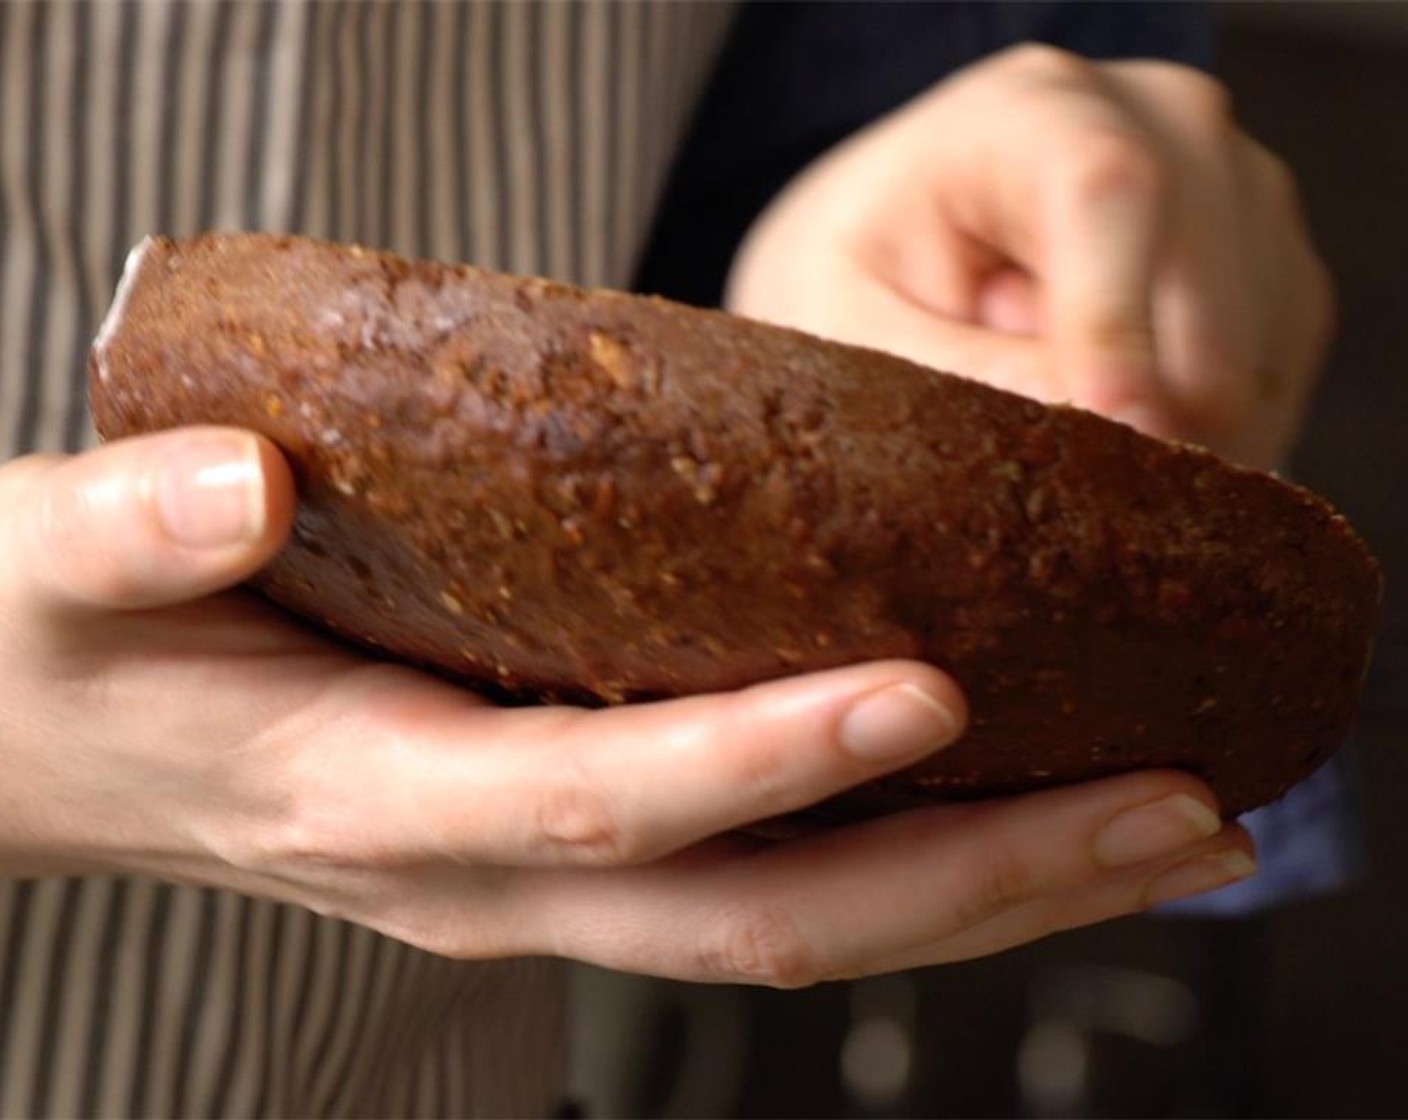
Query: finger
{"type": "Point", "coordinates": [1218, 862]}
{"type": "Point", "coordinates": [1226, 307]}
{"type": "Point", "coordinates": [1105, 215]}
{"type": "Point", "coordinates": [974, 863]}
{"type": "Point", "coordinates": [878, 315]}
{"type": "Point", "coordinates": [1208, 299]}
{"type": "Point", "coordinates": [1068, 185]}
{"type": "Point", "coordinates": [1223, 314]}
{"type": "Point", "coordinates": [828, 905]}
{"type": "Point", "coordinates": [629, 784]}
{"type": "Point", "coordinates": [144, 522]}
{"type": "Point", "coordinates": [1295, 305]}
{"type": "Point", "coordinates": [1009, 301]}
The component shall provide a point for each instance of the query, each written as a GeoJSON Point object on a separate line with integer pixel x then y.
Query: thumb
{"type": "Point", "coordinates": [1104, 226]}
{"type": "Point", "coordinates": [143, 522]}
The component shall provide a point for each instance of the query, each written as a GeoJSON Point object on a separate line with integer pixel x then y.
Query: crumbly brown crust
{"type": "Point", "coordinates": [558, 494]}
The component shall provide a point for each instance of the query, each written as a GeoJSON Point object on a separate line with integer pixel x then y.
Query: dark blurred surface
{"type": "Point", "coordinates": [1303, 1012]}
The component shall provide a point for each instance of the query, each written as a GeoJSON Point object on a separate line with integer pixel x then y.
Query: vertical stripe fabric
{"type": "Point", "coordinates": [529, 136]}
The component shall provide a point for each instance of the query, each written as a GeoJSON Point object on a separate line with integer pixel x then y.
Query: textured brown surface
{"type": "Point", "coordinates": [555, 494]}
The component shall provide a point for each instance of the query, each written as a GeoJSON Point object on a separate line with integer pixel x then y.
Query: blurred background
{"type": "Point", "coordinates": [1301, 1012]}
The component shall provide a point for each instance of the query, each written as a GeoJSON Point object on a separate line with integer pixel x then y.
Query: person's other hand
{"type": "Point", "coordinates": [152, 723]}
{"type": "Point", "coordinates": [1101, 234]}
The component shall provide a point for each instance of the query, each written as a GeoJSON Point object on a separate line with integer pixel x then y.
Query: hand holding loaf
{"type": "Point", "coordinates": [208, 739]}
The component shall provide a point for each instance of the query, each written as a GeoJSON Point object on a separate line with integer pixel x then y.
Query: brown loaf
{"type": "Point", "coordinates": [555, 494]}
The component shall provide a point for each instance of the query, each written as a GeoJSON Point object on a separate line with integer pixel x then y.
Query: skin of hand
{"type": "Point", "coordinates": [153, 721]}
{"type": "Point", "coordinates": [1098, 234]}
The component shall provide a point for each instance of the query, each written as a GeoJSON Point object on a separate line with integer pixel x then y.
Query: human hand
{"type": "Point", "coordinates": [1101, 234]}
{"type": "Point", "coordinates": [152, 723]}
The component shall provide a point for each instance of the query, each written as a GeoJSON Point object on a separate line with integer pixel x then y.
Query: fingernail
{"type": "Point", "coordinates": [209, 493]}
{"type": "Point", "coordinates": [1156, 829]}
{"type": "Point", "coordinates": [1200, 875]}
{"type": "Point", "coordinates": [896, 723]}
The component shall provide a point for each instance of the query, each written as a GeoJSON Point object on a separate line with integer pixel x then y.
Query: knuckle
{"type": "Point", "coordinates": [301, 830]}
{"type": "Point", "coordinates": [1047, 63]}
{"type": "Point", "coordinates": [275, 846]}
{"type": "Point", "coordinates": [292, 812]}
{"type": "Point", "coordinates": [16, 474]}
{"type": "Point", "coordinates": [61, 513]}
{"type": "Point", "coordinates": [576, 823]}
{"type": "Point", "coordinates": [15, 512]}
{"type": "Point", "coordinates": [64, 541]}
{"type": "Point", "coordinates": [1112, 161]}
{"type": "Point", "coordinates": [762, 778]}
{"type": "Point", "coordinates": [1004, 878]}
{"type": "Point", "coordinates": [81, 561]}
{"type": "Point", "coordinates": [53, 531]}
{"type": "Point", "coordinates": [444, 932]}
{"type": "Point", "coordinates": [1211, 101]}
{"type": "Point", "coordinates": [289, 843]}
{"type": "Point", "coordinates": [1207, 101]}
{"type": "Point", "coordinates": [758, 945]}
